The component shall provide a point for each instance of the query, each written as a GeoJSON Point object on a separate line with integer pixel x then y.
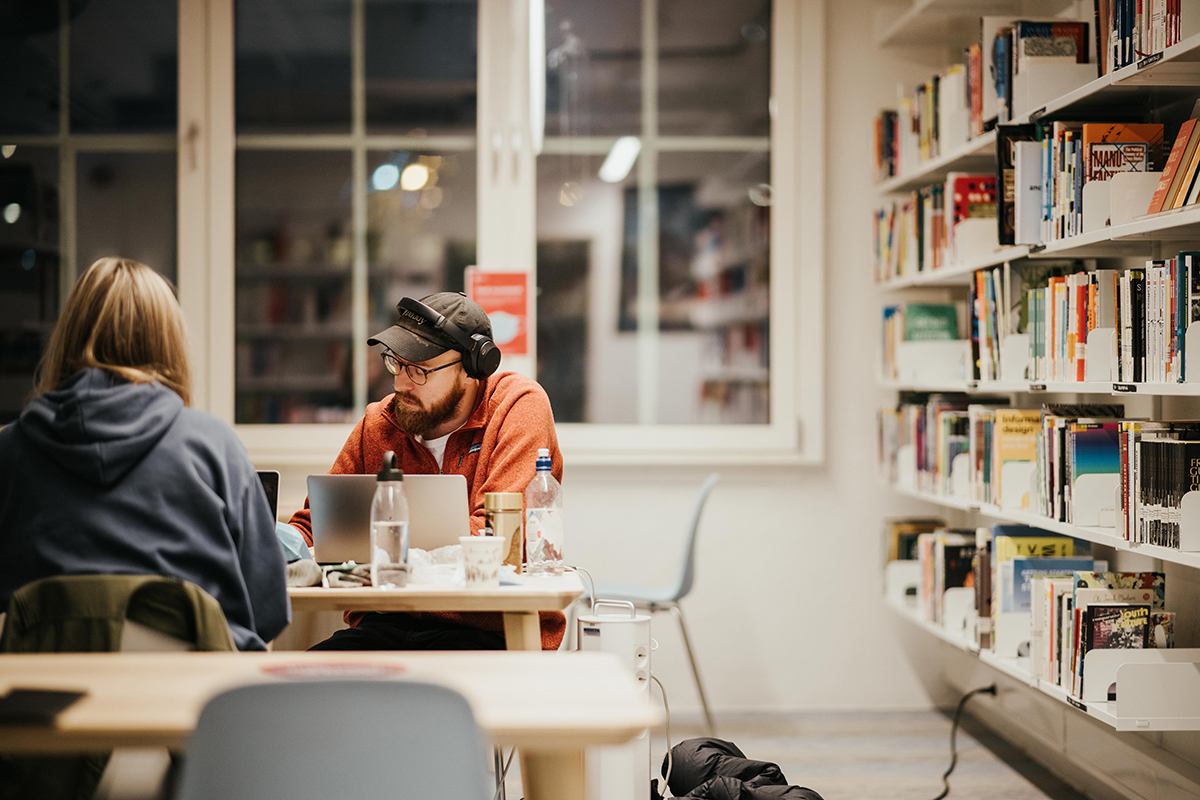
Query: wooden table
{"type": "Point", "coordinates": [551, 705]}
{"type": "Point", "coordinates": [519, 604]}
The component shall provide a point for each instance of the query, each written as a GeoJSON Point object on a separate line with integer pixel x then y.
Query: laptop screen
{"type": "Point", "coordinates": [270, 484]}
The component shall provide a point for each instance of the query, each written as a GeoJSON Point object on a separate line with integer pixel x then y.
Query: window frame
{"type": "Point", "coordinates": [507, 239]}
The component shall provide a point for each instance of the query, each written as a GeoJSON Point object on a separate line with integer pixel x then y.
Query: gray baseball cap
{"type": "Point", "coordinates": [414, 339]}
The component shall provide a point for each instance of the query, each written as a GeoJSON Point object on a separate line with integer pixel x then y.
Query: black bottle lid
{"type": "Point", "coordinates": [389, 471]}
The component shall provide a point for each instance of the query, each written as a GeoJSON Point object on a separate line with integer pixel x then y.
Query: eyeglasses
{"type": "Point", "coordinates": [418, 375]}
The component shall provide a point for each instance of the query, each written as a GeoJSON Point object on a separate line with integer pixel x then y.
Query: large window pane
{"type": "Point", "coordinates": [713, 289]}
{"type": "Point", "coordinates": [585, 361]}
{"type": "Point", "coordinates": [294, 254]}
{"type": "Point", "coordinates": [593, 67]}
{"type": "Point", "coordinates": [123, 67]}
{"type": "Point", "coordinates": [713, 267]}
{"type": "Point", "coordinates": [29, 268]}
{"type": "Point", "coordinates": [714, 68]}
{"type": "Point", "coordinates": [29, 65]}
{"type": "Point", "coordinates": [293, 66]}
{"type": "Point", "coordinates": [126, 207]}
{"type": "Point", "coordinates": [420, 65]}
{"type": "Point", "coordinates": [421, 234]}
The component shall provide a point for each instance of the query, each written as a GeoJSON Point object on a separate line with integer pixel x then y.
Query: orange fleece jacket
{"type": "Point", "coordinates": [495, 450]}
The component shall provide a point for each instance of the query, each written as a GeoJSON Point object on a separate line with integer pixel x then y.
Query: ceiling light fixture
{"type": "Point", "coordinates": [620, 159]}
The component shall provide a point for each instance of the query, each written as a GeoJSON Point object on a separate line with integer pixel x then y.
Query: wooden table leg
{"type": "Point", "coordinates": [553, 774]}
{"type": "Point", "coordinates": [522, 630]}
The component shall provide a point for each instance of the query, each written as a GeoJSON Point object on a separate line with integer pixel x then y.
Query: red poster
{"type": "Point", "coordinates": [505, 298]}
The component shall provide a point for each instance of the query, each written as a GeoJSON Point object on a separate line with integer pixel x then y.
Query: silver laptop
{"type": "Point", "coordinates": [341, 514]}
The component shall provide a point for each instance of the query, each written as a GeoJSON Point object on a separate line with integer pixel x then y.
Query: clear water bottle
{"type": "Point", "coordinates": [543, 521]}
{"type": "Point", "coordinates": [389, 527]}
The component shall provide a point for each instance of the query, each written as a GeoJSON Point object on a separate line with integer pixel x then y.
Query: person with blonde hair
{"type": "Point", "coordinates": [108, 470]}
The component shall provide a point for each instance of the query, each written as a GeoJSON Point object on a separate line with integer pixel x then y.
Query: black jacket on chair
{"type": "Point", "coordinates": [713, 769]}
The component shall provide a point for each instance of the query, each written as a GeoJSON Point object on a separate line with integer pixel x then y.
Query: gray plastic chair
{"type": "Point", "coordinates": [345, 738]}
{"type": "Point", "coordinates": [667, 598]}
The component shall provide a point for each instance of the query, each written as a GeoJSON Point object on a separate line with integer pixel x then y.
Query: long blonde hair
{"type": "Point", "coordinates": [121, 317]}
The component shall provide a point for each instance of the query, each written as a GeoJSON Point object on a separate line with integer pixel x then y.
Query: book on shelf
{"type": "Point", "coordinates": [1134, 322]}
{"type": "Point", "coordinates": [1135, 30]}
{"type": "Point", "coordinates": [982, 567]}
{"type": "Point", "coordinates": [1055, 479]}
{"type": "Point", "coordinates": [915, 322]}
{"type": "Point", "coordinates": [935, 225]}
{"type": "Point", "coordinates": [1177, 166]}
{"type": "Point", "coordinates": [1015, 576]}
{"type": "Point", "coordinates": [1016, 456]}
{"type": "Point", "coordinates": [945, 557]}
{"type": "Point", "coordinates": [1007, 160]}
{"type": "Point", "coordinates": [900, 536]}
{"type": "Point", "coordinates": [885, 145]}
{"type": "Point", "coordinates": [1106, 626]}
{"type": "Point", "coordinates": [1012, 628]}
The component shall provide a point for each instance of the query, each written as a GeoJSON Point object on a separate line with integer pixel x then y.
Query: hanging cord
{"type": "Point", "coordinates": [504, 773]}
{"type": "Point", "coordinates": [667, 732]}
{"type": "Point", "coordinates": [954, 734]}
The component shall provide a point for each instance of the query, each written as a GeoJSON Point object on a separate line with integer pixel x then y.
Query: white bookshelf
{"type": "Point", "coordinates": [1018, 669]}
{"type": "Point", "coordinates": [922, 22]}
{"type": "Point", "coordinates": [1061, 731]}
{"type": "Point", "coordinates": [978, 153]}
{"type": "Point", "coordinates": [1046, 387]}
{"type": "Point", "coordinates": [955, 274]}
{"type": "Point", "coordinates": [1102, 536]}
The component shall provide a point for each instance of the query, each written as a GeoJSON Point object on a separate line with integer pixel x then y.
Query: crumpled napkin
{"type": "Point", "coordinates": [305, 572]}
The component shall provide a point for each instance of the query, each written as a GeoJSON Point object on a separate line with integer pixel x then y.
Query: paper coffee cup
{"type": "Point", "coordinates": [481, 560]}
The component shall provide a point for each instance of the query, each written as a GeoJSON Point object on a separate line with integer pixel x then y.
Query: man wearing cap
{"type": "Point", "coordinates": [452, 413]}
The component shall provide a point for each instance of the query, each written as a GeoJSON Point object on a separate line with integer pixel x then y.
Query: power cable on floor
{"type": "Point", "coordinates": [954, 734]}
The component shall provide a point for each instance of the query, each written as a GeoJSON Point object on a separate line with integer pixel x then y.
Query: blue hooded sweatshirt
{"type": "Point", "coordinates": [102, 476]}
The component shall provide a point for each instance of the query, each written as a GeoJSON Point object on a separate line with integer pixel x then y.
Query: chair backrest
{"type": "Point", "coordinates": [683, 583]}
{"type": "Point", "coordinates": [90, 613]}
{"type": "Point", "coordinates": [347, 738]}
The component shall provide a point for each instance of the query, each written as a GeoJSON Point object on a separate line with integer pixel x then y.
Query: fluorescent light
{"type": "Point", "coordinates": [12, 213]}
{"type": "Point", "coordinates": [620, 159]}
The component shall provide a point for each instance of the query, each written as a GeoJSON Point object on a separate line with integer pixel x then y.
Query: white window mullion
{"type": "Point", "coordinates": [358, 278]}
{"type": "Point", "coordinates": [66, 159]}
{"type": "Point", "coordinates": [647, 237]}
{"type": "Point", "coordinates": [205, 166]}
{"type": "Point", "coordinates": [506, 193]}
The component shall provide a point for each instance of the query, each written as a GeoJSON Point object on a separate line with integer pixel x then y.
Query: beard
{"type": "Point", "coordinates": [416, 420]}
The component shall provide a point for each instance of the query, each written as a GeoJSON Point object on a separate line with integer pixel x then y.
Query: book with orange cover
{"type": "Point", "coordinates": [1181, 154]}
{"type": "Point", "coordinates": [1109, 148]}
{"type": "Point", "coordinates": [1187, 179]}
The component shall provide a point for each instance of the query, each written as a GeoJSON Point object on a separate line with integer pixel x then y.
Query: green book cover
{"type": "Point", "coordinates": [927, 322]}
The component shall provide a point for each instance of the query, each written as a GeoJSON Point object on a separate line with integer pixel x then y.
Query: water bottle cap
{"type": "Point", "coordinates": [543, 460]}
{"type": "Point", "coordinates": [389, 471]}
{"type": "Point", "coordinates": [543, 452]}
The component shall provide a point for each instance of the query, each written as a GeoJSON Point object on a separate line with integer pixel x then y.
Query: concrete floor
{"type": "Point", "coordinates": [876, 756]}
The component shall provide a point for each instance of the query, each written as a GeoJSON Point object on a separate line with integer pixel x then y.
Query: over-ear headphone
{"type": "Point", "coordinates": [481, 356]}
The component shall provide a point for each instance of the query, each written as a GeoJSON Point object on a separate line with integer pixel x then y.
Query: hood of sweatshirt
{"type": "Point", "coordinates": [99, 426]}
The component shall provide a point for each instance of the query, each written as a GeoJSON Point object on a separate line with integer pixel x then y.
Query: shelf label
{"type": "Point", "coordinates": [972, 385]}
{"type": "Point", "coordinates": [1036, 248]}
{"type": "Point", "coordinates": [1082, 706]}
{"type": "Point", "coordinates": [1148, 60]}
{"type": "Point", "coordinates": [1037, 114]}
{"type": "Point", "coordinates": [1129, 388]}
{"type": "Point", "coordinates": [1037, 387]}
